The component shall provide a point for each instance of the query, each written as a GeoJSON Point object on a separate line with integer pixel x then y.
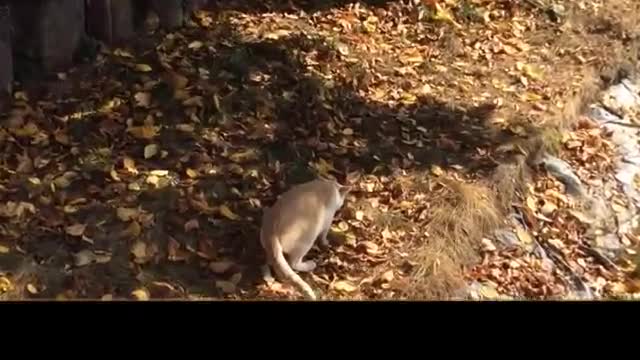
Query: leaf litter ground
{"type": "Point", "coordinates": [142, 175]}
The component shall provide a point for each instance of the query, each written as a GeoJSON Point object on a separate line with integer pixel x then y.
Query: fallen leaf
{"type": "Point", "coordinates": [387, 276]}
{"type": "Point", "coordinates": [133, 230]}
{"type": "Point", "coordinates": [142, 68]}
{"type": "Point", "coordinates": [4, 249]}
{"type": "Point", "coordinates": [146, 132]}
{"type": "Point", "coordinates": [347, 131]}
{"type": "Point", "coordinates": [83, 258]}
{"type": "Point", "coordinates": [226, 286]}
{"type": "Point", "coordinates": [524, 235]}
{"type": "Point", "coordinates": [344, 286]}
{"type": "Point", "coordinates": [188, 128]}
{"type": "Point", "coordinates": [191, 173]}
{"type": "Point", "coordinates": [487, 245]}
{"type": "Point", "coordinates": [226, 212]}
{"type": "Point", "coordinates": [32, 289]}
{"type": "Point", "coordinates": [191, 225]}
{"type": "Point", "coordinates": [150, 151]}
{"type": "Point", "coordinates": [235, 278]}
{"type": "Point", "coordinates": [143, 99]}
{"type": "Point", "coordinates": [153, 180]}
{"type": "Point", "coordinates": [220, 267]}
{"type": "Point", "coordinates": [130, 165]}
{"type": "Point", "coordinates": [76, 229]}
{"type": "Point", "coordinates": [548, 208]}
{"type": "Point", "coordinates": [127, 214]}
{"type": "Point", "coordinates": [139, 251]}
{"type": "Point", "coordinates": [436, 170]}
{"type": "Point", "coordinates": [141, 294]}
{"type": "Point", "coordinates": [532, 203]}
{"type": "Point", "coordinates": [359, 215]}
{"type": "Point", "coordinates": [195, 45]}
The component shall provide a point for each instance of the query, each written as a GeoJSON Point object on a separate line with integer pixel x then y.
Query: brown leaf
{"type": "Point", "coordinates": [143, 99]}
{"type": "Point", "coordinates": [191, 225]}
{"type": "Point", "coordinates": [76, 229]}
{"type": "Point", "coordinates": [127, 214]}
{"type": "Point", "coordinates": [146, 132]}
{"type": "Point", "coordinates": [220, 267]}
{"type": "Point", "coordinates": [387, 276]}
{"type": "Point", "coordinates": [133, 230]}
{"type": "Point", "coordinates": [226, 286]}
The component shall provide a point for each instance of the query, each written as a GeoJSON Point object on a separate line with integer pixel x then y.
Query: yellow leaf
{"type": "Point", "coordinates": [127, 214]}
{"type": "Point", "coordinates": [191, 173]}
{"type": "Point", "coordinates": [76, 229]}
{"type": "Point", "coordinates": [32, 289]}
{"type": "Point", "coordinates": [188, 128]}
{"type": "Point", "coordinates": [524, 235]}
{"type": "Point", "coordinates": [226, 212]}
{"type": "Point", "coordinates": [122, 53]}
{"type": "Point", "coordinates": [344, 286]}
{"type": "Point", "coordinates": [323, 167]}
{"type": "Point", "coordinates": [150, 151]}
{"type": "Point", "coordinates": [532, 203]}
{"type": "Point", "coordinates": [159, 172]}
{"type": "Point", "coordinates": [4, 249]}
{"type": "Point", "coordinates": [195, 45]}
{"type": "Point", "coordinates": [143, 68]}
{"type": "Point", "coordinates": [153, 180]}
{"type": "Point", "coordinates": [241, 156]}
{"type": "Point", "coordinates": [146, 132]}
{"type": "Point", "coordinates": [347, 131]}
{"type": "Point", "coordinates": [140, 294]}
{"type": "Point", "coordinates": [436, 170]}
{"type": "Point", "coordinates": [130, 165]}
{"type": "Point", "coordinates": [531, 97]}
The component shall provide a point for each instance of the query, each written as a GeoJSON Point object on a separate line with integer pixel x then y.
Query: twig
{"type": "Point", "coordinates": [599, 256]}
{"type": "Point", "coordinates": [559, 256]}
{"type": "Point", "coordinates": [611, 110]}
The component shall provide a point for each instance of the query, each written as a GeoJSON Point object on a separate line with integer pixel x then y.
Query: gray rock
{"type": "Point", "coordinates": [562, 171]}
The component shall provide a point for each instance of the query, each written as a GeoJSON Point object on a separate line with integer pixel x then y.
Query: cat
{"type": "Point", "coordinates": [292, 225]}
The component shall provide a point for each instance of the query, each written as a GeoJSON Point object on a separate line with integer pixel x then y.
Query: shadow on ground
{"type": "Point", "coordinates": [264, 122]}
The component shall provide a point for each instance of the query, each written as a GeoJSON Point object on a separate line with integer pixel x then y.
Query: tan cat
{"type": "Point", "coordinates": [291, 226]}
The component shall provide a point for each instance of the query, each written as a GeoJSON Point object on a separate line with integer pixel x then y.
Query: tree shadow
{"type": "Point", "coordinates": [264, 123]}
{"type": "Point", "coordinates": [309, 6]}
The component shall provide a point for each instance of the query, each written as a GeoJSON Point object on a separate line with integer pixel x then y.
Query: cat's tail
{"type": "Point", "coordinates": [287, 271]}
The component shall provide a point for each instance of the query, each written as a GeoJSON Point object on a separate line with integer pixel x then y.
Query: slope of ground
{"type": "Point", "coordinates": [143, 173]}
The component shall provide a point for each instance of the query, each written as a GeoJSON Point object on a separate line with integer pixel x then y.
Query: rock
{"type": "Point", "coordinates": [48, 31]}
{"type": "Point", "coordinates": [110, 20]}
{"type": "Point", "coordinates": [623, 95]}
{"type": "Point", "coordinates": [507, 238]}
{"type": "Point", "coordinates": [562, 171]}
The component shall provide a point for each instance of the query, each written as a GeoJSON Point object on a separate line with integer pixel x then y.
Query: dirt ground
{"type": "Point", "coordinates": [142, 173]}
